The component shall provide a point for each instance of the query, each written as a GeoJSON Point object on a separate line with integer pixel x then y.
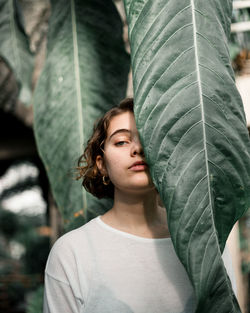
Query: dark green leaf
{"type": "Point", "coordinates": [35, 302]}
{"type": "Point", "coordinates": [84, 76]}
{"type": "Point", "coordinates": [14, 48]}
{"type": "Point", "coordinates": [193, 128]}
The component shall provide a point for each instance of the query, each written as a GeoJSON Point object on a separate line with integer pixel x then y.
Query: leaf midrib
{"type": "Point", "coordinates": [14, 38]}
{"type": "Point", "coordinates": [78, 87]}
{"type": "Point", "coordinates": [203, 119]}
{"type": "Point", "coordinates": [200, 94]}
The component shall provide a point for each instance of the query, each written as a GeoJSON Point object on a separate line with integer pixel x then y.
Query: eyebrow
{"type": "Point", "coordinates": [122, 130]}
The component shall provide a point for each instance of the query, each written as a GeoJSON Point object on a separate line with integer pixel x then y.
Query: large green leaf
{"type": "Point", "coordinates": [85, 75]}
{"type": "Point", "coordinates": [14, 48]}
{"type": "Point", "coordinates": [192, 125]}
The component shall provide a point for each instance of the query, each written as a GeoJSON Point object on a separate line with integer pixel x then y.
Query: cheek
{"type": "Point", "coordinates": [115, 164]}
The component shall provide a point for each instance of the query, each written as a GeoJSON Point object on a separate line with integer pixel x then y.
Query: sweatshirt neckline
{"type": "Point", "coordinates": [128, 235]}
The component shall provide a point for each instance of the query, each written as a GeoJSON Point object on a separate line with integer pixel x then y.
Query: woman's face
{"type": "Point", "coordinates": [122, 149]}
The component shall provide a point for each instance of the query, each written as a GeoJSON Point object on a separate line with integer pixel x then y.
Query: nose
{"type": "Point", "coordinates": [136, 148]}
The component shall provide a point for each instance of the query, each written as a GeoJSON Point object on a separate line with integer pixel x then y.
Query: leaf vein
{"type": "Point", "coordinates": [151, 86]}
{"type": "Point", "coordinates": [158, 51]}
{"type": "Point", "coordinates": [188, 266]}
{"type": "Point", "coordinates": [213, 71]}
{"type": "Point", "coordinates": [198, 207]}
{"type": "Point", "coordinates": [186, 204]}
{"type": "Point", "coordinates": [180, 137]}
{"type": "Point", "coordinates": [212, 45]}
{"type": "Point", "coordinates": [206, 96]}
{"type": "Point", "coordinates": [202, 263]}
{"type": "Point", "coordinates": [169, 103]}
{"type": "Point", "coordinates": [211, 126]}
{"type": "Point", "coordinates": [157, 34]}
{"type": "Point", "coordinates": [218, 151]}
{"type": "Point", "coordinates": [182, 173]}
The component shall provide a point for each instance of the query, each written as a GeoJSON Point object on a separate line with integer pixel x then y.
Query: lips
{"type": "Point", "coordinates": [138, 163]}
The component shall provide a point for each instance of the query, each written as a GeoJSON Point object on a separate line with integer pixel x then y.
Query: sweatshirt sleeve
{"type": "Point", "coordinates": [62, 292]}
{"type": "Point", "coordinates": [59, 297]}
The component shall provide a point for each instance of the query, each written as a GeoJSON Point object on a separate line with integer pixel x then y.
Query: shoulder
{"type": "Point", "coordinates": [68, 248]}
{"type": "Point", "coordinates": [69, 268]}
{"type": "Point", "coordinates": [75, 237]}
{"type": "Point", "coordinates": [67, 239]}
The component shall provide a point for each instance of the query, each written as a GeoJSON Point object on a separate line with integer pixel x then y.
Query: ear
{"type": "Point", "coordinates": [100, 164]}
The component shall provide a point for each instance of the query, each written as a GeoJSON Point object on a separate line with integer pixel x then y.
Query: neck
{"type": "Point", "coordinates": [138, 211]}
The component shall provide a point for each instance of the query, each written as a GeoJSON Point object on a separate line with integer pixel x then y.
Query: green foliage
{"type": "Point", "coordinates": [188, 112]}
{"type": "Point", "coordinates": [35, 303]}
{"type": "Point", "coordinates": [240, 39]}
{"type": "Point", "coordinates": [234, 49]}
{"type": "Point", "coordinates": [85, 75]}
{"type": "Point", "coordinates": [16, 293]}
{"type": "Point", "coordinates": [36, 249]}
{"type": "Point", "coordinates": [192, 125]}
{"type": "Point", "coordinates": [19, 276]}
{"type": "Point", "coordinates": [3, 253]}
{"type": "Point", "coordinates": [12, 289]}
{"type": "Point", "coordinates": [9, 223]}
{"type": "Point", "coordinates": [244, 232]}
{"type": "Point", "coordinates": [14, 48]}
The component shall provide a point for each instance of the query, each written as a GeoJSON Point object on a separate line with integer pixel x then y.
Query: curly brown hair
{"type": "Point", "coordinates": [87, 168]}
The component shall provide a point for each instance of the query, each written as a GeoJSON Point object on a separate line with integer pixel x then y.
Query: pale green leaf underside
{"type": "Point", "coordinates": [192, 125]}
{"type": "Point", "coordinates": [85, 75]}
{"type": "Point", "coordinates": [14, 49]}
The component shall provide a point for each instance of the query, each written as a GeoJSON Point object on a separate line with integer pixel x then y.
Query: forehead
{"type": "Point", "coordinates": [124, 120]}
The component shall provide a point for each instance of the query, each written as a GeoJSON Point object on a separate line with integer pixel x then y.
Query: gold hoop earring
{"type": "Point", "coordinates": [101, 146]}
{"type": "Point", "coordinates": [104, 181]}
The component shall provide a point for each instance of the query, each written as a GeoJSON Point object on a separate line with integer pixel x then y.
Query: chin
{"type": "Point", "coordinates": [143, 191]}
{"type": "Point", "coordinates": [142, 186]}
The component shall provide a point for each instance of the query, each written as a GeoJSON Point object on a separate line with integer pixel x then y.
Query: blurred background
{"type": "Point", "coordinates": [29, 219]}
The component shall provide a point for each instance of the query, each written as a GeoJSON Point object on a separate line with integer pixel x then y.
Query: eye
{"type": "Point", "coordinates": [120, 143]}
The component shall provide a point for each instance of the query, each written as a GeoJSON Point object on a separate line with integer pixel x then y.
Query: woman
{"type": "Point", "coordinates": [122, 261]}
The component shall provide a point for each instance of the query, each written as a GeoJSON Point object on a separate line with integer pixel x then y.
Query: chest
{"type": "Point", "coordinates": [132, 281]}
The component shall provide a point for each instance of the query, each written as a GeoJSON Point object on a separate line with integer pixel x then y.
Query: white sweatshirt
{"type": "Point", "coordinates": [99, 269]}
